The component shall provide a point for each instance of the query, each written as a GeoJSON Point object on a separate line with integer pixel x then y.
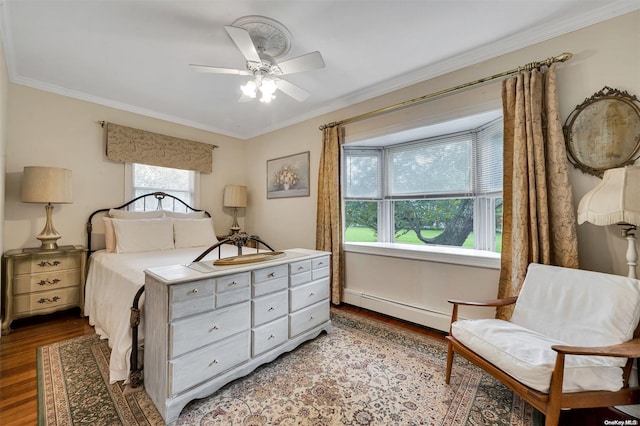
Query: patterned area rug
{"type": "Point", "coordinates": [362, 373]}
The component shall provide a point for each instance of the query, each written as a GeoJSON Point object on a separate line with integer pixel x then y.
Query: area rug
{"type": "Point", "coordinates": [362, 373]}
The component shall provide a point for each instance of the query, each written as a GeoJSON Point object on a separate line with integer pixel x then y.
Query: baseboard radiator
{"type": "Point", "coordinates": [406, 311]}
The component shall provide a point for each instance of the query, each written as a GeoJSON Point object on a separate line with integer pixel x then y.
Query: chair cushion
{"type": "Point", "coordinates": [580, 308]}
{"type": "Point", "coordinates": [527, 356]}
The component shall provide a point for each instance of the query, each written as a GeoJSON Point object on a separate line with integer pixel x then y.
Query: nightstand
{"type": "Point", "coordinates": [38, 282]}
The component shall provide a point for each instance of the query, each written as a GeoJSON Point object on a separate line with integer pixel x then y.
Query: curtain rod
{"type": "Point", "coordinates": [560, 58]}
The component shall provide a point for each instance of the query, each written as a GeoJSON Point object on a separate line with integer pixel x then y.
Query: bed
{"type": "Point", "coordinates": [123, 243]}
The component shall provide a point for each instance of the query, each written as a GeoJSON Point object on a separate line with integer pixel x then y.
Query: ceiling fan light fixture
{"type": "Point", "coordinates": [249, 89]}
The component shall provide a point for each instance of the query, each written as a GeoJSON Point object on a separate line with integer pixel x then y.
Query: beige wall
{"type": "Point", "coordinates": [51, 130]}
{"type": "Point", "coordinates": [4, 89]}
{"type": "Point", "coordinates": [48, 129]}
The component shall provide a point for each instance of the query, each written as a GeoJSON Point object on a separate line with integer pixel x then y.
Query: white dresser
{"type": "Point", "coordinates": [207, 325]}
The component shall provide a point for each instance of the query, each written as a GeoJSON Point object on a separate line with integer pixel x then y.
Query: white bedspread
{"type": "Point", "coordinates": [112, 283]}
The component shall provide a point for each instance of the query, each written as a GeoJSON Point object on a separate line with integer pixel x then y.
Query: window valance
{"type": "Point", "coordinates": [129, 145]}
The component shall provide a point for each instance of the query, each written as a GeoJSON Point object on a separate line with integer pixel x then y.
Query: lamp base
{"type": "Point", "coordinates": [49, 236]}
{"type": "Point", "coordinates": [632, 253]}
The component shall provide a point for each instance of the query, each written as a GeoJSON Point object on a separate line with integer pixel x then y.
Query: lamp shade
{"type": "Point", "coordinates": [235, 196]}
{"type": "Point", "coordinates": [46, 185]}
{"type": "Point", "coordinates": [615, 200]}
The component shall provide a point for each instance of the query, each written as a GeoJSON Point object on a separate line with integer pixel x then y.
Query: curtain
{"type": "Point", "coordinates": [129, 145]}
{"type": "Point", "coordinates": [539, 222]}
{"type": "Point", "coordinates": [329, 215]}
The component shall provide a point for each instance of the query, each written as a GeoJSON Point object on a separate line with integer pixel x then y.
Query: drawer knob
{"type": "Point", "coordinates": [271, 337]}
{"type": "Point", "coordinates": [312, 294]}
{"type": "Point", "coordinates": [320, 263]}
{"type": "Point", "coordinates": [49, 282]}
{"type": "Point", "coordinates": [271, 274]}
{"type": "Point", "coordinates": [54, 299]}
{"type": "Point", "coordinates": [300, 268]}
{"type": "Point", "coordinates": [234, 282]}
{"type": "Point", "coordinates": [214, 328]}
{"type": "Point", "coordinates": [214, 362]}
{"type": "Point", "coordinates": [271, 309]}
{"type": "Point", "coordinates": [194, 291]}
{"type": "Point", "coordinates": [47, 263]}
{"type": "Point", "coordinates": [311, 318]}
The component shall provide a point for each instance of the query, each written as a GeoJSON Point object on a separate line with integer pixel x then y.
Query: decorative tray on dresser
{"type": "Point", "coordinates": [206, 325]}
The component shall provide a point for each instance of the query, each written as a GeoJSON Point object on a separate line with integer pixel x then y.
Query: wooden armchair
{"type": "Point", "coordinates": [570, 342]}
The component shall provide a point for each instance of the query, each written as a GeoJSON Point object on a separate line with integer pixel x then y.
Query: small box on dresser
{"type": "Point", "coordinates": [38, 282]}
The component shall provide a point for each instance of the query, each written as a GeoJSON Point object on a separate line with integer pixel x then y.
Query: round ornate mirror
{"type": "Point", "coordinates": [603, 132]}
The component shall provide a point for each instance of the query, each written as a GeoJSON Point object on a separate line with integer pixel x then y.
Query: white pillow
{"type": "Point", "coordinates": [125, 214]}
{"type": "Point", "coordinates": [183, 215]}
{"type": "Point", "coordinates": [194, 232]}
{"type": "Point", "coordinates": [109, 235]}
{"type": "Point", "coordinates": [143, 235]}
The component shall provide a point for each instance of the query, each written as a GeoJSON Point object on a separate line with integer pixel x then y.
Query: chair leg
{"type": "Point", "coordinates": [552, 417]}
{"type": "Point", "coordinates": [449, 362]}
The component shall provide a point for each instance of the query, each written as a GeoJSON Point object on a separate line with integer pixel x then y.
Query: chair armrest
{"type": "Point", "coordinates": [629, 349]}
{"type": "Point", "coordinates": [490, 302]}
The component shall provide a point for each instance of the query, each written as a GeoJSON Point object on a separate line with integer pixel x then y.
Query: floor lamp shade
{"type": "Point", "coordinates": [47, 185]}
{"type": "Point", "coordinates": [235, 196]}
{"type": "Point", "coordinates": [616, 200]}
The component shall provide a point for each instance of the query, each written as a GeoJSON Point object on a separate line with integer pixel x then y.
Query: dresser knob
{"type": "Point", "coordinates": [271, 337]}
{"type": "Point", "coordinates": [271, 309]}
{"type": "Point", "coordinates": [300, 268]}
{"type": "Point", "coordinates": [214, 362]}
{"type": "Point", "coordinates": [194, 291]}
{"type": "Point", "coordinates": [311, 294]}
{"type": "Point", "coordinates": [49, 282]}
{"type": "Point", "coordinates": [214, 328]}
{"type": "Point", "coordinates": [234, 283]}
{"type": "Point", "coordinates": [271, 275]}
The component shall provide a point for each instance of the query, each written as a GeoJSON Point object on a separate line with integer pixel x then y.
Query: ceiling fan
{"type": "Point", "coordinates": [261, 40]}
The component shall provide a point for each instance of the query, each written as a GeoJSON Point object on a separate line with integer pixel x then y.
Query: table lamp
{"type": "Point", "coordinates": [235, 196]}
{"type": "Point", "coordinates": [47, 185]}
{"type": "Point", "coordinates": [616, 200]}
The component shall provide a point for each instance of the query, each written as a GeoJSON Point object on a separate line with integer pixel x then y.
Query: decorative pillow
{"type": "Point", "coordinates": [109, 235]}
{"type": "Point", "coordinates": [182, 215]}
{"type": "Point", "coordinates": [125, 214]}
{"type": "Point", "coordinates": [193, 232]}
{"type": "Point", "coordinates": [143, 235]}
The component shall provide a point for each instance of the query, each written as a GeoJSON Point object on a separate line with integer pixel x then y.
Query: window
{"type": "Point", "coordinates": [444, 190]}
{"type": "Point", "coordinates": [177, 182]}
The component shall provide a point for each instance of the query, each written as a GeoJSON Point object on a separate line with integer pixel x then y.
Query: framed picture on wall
{"type": "Point", "coordinates": [288, 176]}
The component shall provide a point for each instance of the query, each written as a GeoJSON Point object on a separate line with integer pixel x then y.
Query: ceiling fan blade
{"type": "Point", "coordinates": [217, 70]}
{"type": "Point", "coordinates": [242, 39]}
{"type": "Point", "coordinates": [292, 90]}
{"type": "Point", "coordinates": [306, 62]}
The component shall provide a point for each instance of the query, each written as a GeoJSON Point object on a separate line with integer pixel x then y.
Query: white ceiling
{"type": "Point", "coordinates": [134, 54]}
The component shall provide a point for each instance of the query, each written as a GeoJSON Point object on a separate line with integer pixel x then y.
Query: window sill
{"type": "Point", "coordinates": [440, 254]}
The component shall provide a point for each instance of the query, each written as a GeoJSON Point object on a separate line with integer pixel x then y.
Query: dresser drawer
{"type": "Point", "coordinates": [45, 300]}
{"type": "Point", "coordinates": [270, 286]}
{"type": "Point", "coordinates": [316, 274]}
{"type": "Point", "coordinates": [307, 318]}
{"type": "Point", "coordinates": [308, 294]}
{"type": "Point", "coordinates": [233, 282]}
{"type": "Point", "coordinates": [191, 298]}
{"type": "Point", "coordinates": [209, 361]}
{"type": "Point", "coordinates": [269, 335]}
{"type": "Point", "coordinates": [232, 297]}
{"type": "Point", "coordinates": [46, 281]}
{"type": "Point", "coordinates": [45, 263]}
{"type": "Point", "coordinates": [265, 274]}
{"type": "Point", "coordinates": [270, 307]}
{"type": "Point", "coordinates": [301, 278]}
{"type": "Point", "coordinates": [200, 330]}
{"type": "Point", "coordinates": [320, 262]}
{"type": "Point", "coordinates": [299, 267]}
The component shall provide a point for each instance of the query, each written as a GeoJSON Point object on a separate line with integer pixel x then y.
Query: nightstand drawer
{"type": "Point", "coordinates": [46, 281]}
{"type": "Point", "coordinates": [45, 300]}
{"type": "Point", "coordinates": [45, 263]}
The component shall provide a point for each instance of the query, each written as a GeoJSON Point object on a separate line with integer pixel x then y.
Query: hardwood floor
{"type": "Point", "coordinates": [18, 381]}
